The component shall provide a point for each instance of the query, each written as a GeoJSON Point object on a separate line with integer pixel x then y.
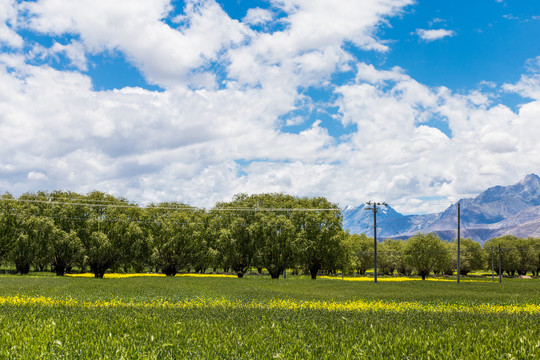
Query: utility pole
{"type": "Point", "coordinates": [500, 265]}
{"type": "Point", "coordinates": [458, 241]}
{"type": "Point", "coordinates": [372, 205]}
{"type": "Point", "coordinates": [492, 271]}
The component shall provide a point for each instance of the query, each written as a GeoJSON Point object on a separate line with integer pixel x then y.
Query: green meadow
{"type": "Point", "coordinates": [44, 317]}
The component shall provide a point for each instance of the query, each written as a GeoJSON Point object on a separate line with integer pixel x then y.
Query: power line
{"type": "Point", "coordinates": [91, 219]}
{"type": "Point", "coordinates": [185, 207]}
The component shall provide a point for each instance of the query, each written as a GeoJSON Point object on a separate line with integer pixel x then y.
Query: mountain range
{"type": "Point", "coordinates": [500, 210]}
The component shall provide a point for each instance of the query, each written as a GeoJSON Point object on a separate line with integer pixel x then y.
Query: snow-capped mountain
{"type": "Point", "coordinates": [499, 210]}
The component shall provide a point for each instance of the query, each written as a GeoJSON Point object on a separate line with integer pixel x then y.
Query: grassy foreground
{"type": "Point", "coordinates": [257, 318]}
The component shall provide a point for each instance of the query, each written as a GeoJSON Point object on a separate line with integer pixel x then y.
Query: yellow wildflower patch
{"type": "Point", "coordinates": [281, 304]}
{"type": "Point", "coordinates": [398, 279]}
{"type": "Point", "coordinates": [122, 276]}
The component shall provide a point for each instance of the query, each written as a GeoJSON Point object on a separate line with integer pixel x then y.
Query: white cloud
{"type": "Point", "coordinates": [499, 142]}
{"type": "Point", "coordinates": [8, 15]}
{"type": "Point", "coordinates": [165, 55]}
{"type": "Point", "coordinates": [528, 86]}
{"type": "Point", "coordinates": [74, 51]}
{"type": "Point", "coordinates": [145, 145]}
{"type": "Point", "coordinates": [434, 34]}
{"type": "Point", "coordinates": [257, 16]}
{"type": "Point", "coordinates": [401, 154]}
{"type": "Point", "coordinates": [202, 141]}
{"type": "Point", "coordinates": [533, 64]}
{"type": "Point", "coordinates": [37, 176]}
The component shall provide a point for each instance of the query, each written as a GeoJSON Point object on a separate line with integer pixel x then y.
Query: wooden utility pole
{"type": "Point", "coordinates": [500, 265]}
{"type": "Point", "coordinates": [372, 205]}
{"type": "Point", "coordinates": [458, 241]}
{"type": "Point", "coordinates": [492, 271]}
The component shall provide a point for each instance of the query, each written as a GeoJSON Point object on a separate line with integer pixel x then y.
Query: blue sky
{"type": "Point", "coordinates": [418, 103]}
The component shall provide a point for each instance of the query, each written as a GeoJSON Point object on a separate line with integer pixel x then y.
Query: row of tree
{"type": "Point", "coordinates": [99, 231]}
{"type": "Point", "coordinates": [65, 230]}
{"type": "Point", "coordinates": [427, 253]}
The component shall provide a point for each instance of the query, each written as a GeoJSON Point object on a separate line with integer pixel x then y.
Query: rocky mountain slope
{"type": "Point", "coordinates": [499, 210]}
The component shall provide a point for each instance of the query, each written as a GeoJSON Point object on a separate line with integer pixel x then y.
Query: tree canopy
{"type": "Point", "coordinates": [65, 230]}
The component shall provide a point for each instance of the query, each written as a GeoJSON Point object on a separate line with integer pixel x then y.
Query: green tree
{"type": "Point", "coordinates": [237, 242]}
{"type": "Point", "coordinates": [65, 249]}
{"type": "Point", "coordinates": [9, 225]}
{"type": "Point", "coordinates": [34, 204]}
{"type": "Point", "coordinates": [510, 256]}
{"type": "Point", "coordinates": [390, 256]}
{"type": "Point", "coordinates": [535, 251]}
{"type": "Point", "coordinates": [24, 253]}
{"type": "Point", "coordinates": [70, 212]}
{"type": "Point", "coordinates": [101, 254]}
{"type": "Point", "coordinates": [279, 243]}
{"type": "Point", "coordinates": [203, 247]}
{"type": "Point", "coordinates": [239, 232]}
{"type": "Point", "coordinates": [319, 234]}
{"type": "Point", "coordinates": [40, 230]}
{"type": "Point", "coordinates": [173, 235]}
{"type": "Point", "coordinates": [472, 256]}
{"type": "Point", "coordinates": [423, 252]}
{"type": "Point", "coordinates": [526, 256]}
{"type": "Point", "coordinates": [447, 260]}
{"type": "Point", "coordinates": [140, 247]}
{"type": "Point", "coordinates": [360, 249]}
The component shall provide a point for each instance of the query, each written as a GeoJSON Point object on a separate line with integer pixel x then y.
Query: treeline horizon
{"type": "Point", "coordinates": [61, 231]}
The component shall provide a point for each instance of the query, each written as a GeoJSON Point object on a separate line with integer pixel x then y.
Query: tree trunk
{"type": "Point", "coordinates": [274, 273]}
{"type": "Point", "coordinates": [170, 270]}
{"type": "Point", "coordinates": [23, 268]}
{"type": "Point", "coordinates": [313, 272]}
{"type": "Point", "coordinates": [60, 270]}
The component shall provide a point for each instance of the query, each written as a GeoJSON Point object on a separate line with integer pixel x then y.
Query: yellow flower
{"type": "Point", "coordinates": [397, 279]}
{"type": "Point", "coordinates": [280, 304]}
{"type": "Point", "coordinates": [122, 276]}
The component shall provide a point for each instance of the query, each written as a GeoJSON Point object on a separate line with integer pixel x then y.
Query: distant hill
{"type": "Point", "coordinates": [499, 210]}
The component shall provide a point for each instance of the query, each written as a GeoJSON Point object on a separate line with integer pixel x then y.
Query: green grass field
{"type": "Point", "coordinates": [257, 318]}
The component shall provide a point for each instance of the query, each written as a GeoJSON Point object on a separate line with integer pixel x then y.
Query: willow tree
{"type": "Point", "coordinates": [23, 254]}
{"type": "Point", "coordinates": [279, 243]}
{"type": "Point", "coordinates": [510, 256]}
{"type": "Point", "coordinates": [101, 254]}
{"type": "Point", "coordinates": [172, 228]}
{"type": "Point", "coordinates": [390, 257]}
{"type": "Point", "coordinates": [9, 225]}
{"type": "Point", "coordinates": [319, 226]}
{"type": "Point", "coordinates": [472, 256]}
{"type": "Point", "coordinates": [40, 231]}
{"type": "Point", "coordinates": [423, 252]}
{"type": "Point", "coordinates": [237, 240]}
{"type": "Point", "coordinates": [360, 251]}
{"type": "Point", "coordinates": [65, 249]}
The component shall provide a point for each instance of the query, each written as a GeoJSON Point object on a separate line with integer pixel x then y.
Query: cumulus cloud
{"type": "Point", "coordinates": [165, 55]}
{"type": "Point", "coordinates": [434, 34]}
{"type": "Point", "coordinates": [74, 51]}
{"type": "Point", "coordinates": [8, 15]}
{"type": "Point", "coordinates": [257, 16]}
{"type": "Point", "coordinates": [213, 133]}
{"type": "Point", "coordinates": [36, 175]}
{"type": "Point", "coordinates": [533, 64]}
{"type": "Point", "coordinates": [401, 153]}
{"type": "Point", "coordinates": [528, 86]}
